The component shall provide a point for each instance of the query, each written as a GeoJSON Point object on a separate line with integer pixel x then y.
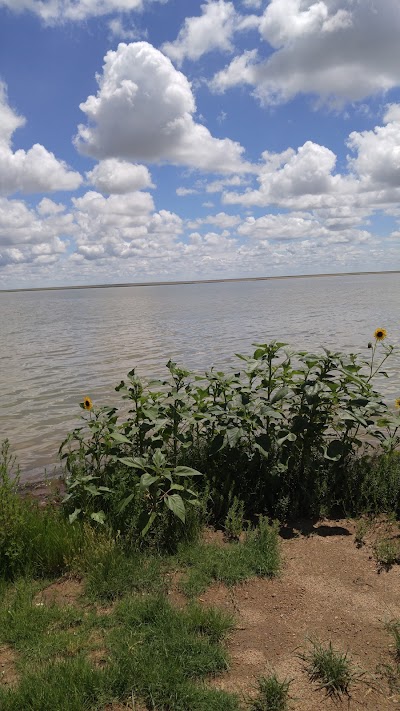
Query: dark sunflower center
{"type": "Point", "coordinates": [379, 334]}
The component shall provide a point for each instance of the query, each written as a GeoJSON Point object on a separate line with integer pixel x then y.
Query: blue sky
{"type": "Point", "coordinates": [146, 140]}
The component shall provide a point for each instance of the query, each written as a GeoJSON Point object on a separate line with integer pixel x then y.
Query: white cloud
{"type": "Point", "coordinates": [216, 186]}
{"type": "Point", "coordinates": [306, 180]}
{"type": "Point", "coordinates": [49, 207]}
{"type": "Point", "coordinates": [214, 29]}
{"type": "Point", "coordinates": [239, 71]}
{"type": "Point", "coordinates": [221, 220]}
{"type": "Point", "coordinates": [33, 171]}
{"type": "Point", "coordinates": [292, 178]}
{"type": "Point", "coordinates": [30, 236]}
{"type": "Point", "coordinates": [58, 11]}
{"type": "Point", "coordinates": [144, 111]}
{"type": "Point", "coordinates": [287, 20]}
{"type": "Point", "coordinates": [338, 50]}
{"type": "Point", "coordinates": [377, 162]}
{"type": "Point", "coordinates": [301, 226]}
{"type": "Point", "coordinates": [182, 192]}
{"type": "Point", "coordinates": [118, 30]}
{"type": "Point", "coordinates": [123, 227]}
{"type": "Point", "coordinates": [116, 176]}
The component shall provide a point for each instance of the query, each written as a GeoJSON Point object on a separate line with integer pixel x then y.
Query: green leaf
{"type": "Point", "coordinates": [290, 437]}
{"type": "Point", "coordinates": [175, 503]}
{"type": "Point", "coordinates": [334, 450]}
{"type": "Point", "coordinates": [159, 459]}
{"type": "Point", "coordinates": [279, 395]}
{"type": "Point", "coordinates": [125, 503]}
{"type": "Point", "coordinates": [145, 521]}
{"type": "Point", "coordinates": [135, 463]}
{"type": "Point", "coordinates": [146, 480]}
{"type": "Point", "coordinates": [186, 471]}
{"type": "Point", "coordinates": [99, 516]}
{"type": "Point", "coordinates": [118, 437]}
{"type": "Point", "coordinates": [72, 517]}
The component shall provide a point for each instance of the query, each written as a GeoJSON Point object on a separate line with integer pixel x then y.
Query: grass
{"type": "Point", "coordinates": [257, 555]}
{"type": "Point", "coordinates": [273, 695]}
{"type": "Point", "coordinates": [387, 552]}
{"type": "Point", "coordinates": [334, 671]}
{"type": "Point", "coordinates": [160, 655]}
{"type": "Point", "coordinates": [149, 650]}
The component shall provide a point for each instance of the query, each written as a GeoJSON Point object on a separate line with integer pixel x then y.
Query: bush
{"type": "Point", "coordinates": [287, 436]}
{"type": "Point", "coordinates": [33, 541]}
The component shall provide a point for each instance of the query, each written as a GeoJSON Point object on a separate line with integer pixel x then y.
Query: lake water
{"type": "Point", "coordinates": [58, 346]}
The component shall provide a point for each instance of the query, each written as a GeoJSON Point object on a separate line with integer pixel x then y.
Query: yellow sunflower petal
{"type": "Point", "coordinates": [380, 334]}
{"type": "Point", "coordinates": [87, 403]}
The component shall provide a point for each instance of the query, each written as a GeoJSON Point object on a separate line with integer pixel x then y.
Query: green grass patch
{"type": "Point", "coordinates": [257, 555]}
{"type": "Point", "coordinates": [333, 671]}
{"type": "Point", "coordinates": [273, 695]}
{"type": "Point", "coordinates": [152, 651]}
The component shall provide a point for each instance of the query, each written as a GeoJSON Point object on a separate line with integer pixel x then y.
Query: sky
{"type": "Point", "coordinates": [158, 140]}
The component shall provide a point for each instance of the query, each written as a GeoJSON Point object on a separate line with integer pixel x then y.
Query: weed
{"type": "Point", "coordinates": [394, 629]}
{"type": "Point", "coordinates": [363, 525]}
{"type": "Point", "coordinates": [334, 671]}
{"type": "Point", "coordinates": [273, 695]}
{"type": "Point", "coordinates": [234, 520]}
{"type": "Point", "coordinates": [257, 555]}
{"type": "Point", "coordinates": [387, 552]}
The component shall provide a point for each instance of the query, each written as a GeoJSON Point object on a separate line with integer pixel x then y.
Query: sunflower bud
{"type": "Point", "coordinates": [370, 345]}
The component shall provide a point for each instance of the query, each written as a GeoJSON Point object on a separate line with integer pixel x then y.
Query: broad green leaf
{"type": "Point", "coordinates": [159, 459]}
{"type": "Point", "coordinates": [186, 471]}
{"type": "Point", "coordinates": [72, 517]}
{"type": "Point", "coordinates": [147, 480]}
{"type": "Point", "coordinates": [99, 516]}
{"type": "Point", "coordinates": [119, 437]}
{"type": "Point", "coordinates": [135, 463]}
{"type": "Point", "coordinates": [175, 503]}
{"type": "Point", "coordinates": [145, 521]}
{"type": "Point", "coordinates": [279, 395]}
{"type": "Point", "coordinates": [125, 503]}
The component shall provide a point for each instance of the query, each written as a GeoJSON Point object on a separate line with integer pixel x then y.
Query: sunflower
{"type": "Point", "coordinates": [87, 403]}
{"type": "Point", "coordinates": [380, 334]}
{"type": "Point", "coordinates": [397, 403]}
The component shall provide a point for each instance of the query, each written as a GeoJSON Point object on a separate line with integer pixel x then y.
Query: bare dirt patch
{"type": "Point", "coordinates": [328, 590]}
{"type": "Point", "coordinates": [8, 672]}
{"type": "Point", "coordinates": [63, 592]}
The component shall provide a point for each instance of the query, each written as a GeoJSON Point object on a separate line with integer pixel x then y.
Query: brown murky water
{"type": "Point", "coordinates": [58, 346]}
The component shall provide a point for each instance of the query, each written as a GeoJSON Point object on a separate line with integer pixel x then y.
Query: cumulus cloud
{"type": "Point", "coordinates": [55, 11]}
{"type": "Point", "coordinates": [29, 236]}
{"type": "Point", "coordinates": [33, 171]}
{"type": "Point", "coordinates": [117, 176]}
{"type": "Point", "coordinates": [338, 50]}
{"type": "Point", "coordinates": [214, 29]}
{"type": "Point", "coordinates": [144, 111]}
{"type": "Point", "coordinates": [292, 178]}
{"type": "Point", "coordinates": [377, 162]}
{"type": "Point", "coordinates": [305, 179]}
{"type": "Point", "coordinates": [122, 226]}
{"type": "Point", "coordinates": [302, 226]}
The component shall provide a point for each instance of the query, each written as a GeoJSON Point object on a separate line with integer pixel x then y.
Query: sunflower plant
{"type": "Point", "coordinates": [164, 486]}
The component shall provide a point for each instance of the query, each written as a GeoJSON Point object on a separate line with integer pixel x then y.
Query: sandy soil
{"type": "Point", "coordinates": [329, 590]}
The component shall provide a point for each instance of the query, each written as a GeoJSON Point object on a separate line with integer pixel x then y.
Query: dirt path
{"type": "Point", "coordinates": [328, 590]}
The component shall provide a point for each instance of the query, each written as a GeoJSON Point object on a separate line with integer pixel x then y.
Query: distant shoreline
{"type": "Point", "coordinates": [196, 281]}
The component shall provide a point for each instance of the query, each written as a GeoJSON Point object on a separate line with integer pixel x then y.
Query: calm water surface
{"type": "Point", "coordinates": [58, 346]}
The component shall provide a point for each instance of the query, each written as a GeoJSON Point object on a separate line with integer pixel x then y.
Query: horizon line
{"type": "Point", "coordinates": [196, 281]}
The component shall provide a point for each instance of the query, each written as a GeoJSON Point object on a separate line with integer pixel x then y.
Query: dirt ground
{"type": "Point", "coordinates": [329, 590]}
